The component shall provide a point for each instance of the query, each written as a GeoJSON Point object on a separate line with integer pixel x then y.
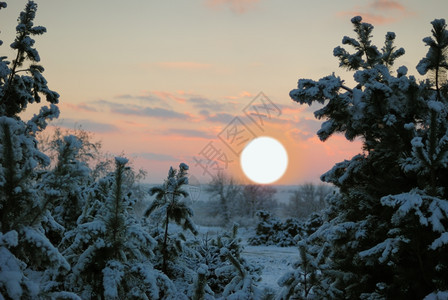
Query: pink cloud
{"type": "Point", "coordinates": [300, 134]}
{"type": "Point", "coordinates": [156, 97]}
{"type": "Point", "coordinates": [388, 5]}
{"type": "Point", "coordinates": [133, 124]}
{"type": "Point", "coordinates": [82, 107]}
{"type": "Point", "coordinates": [293, 110]}
{"type": "Point", "coordinates": [236, 6]}
{"type": "Point", "coordinates": [185, 93]}
{"type": "Point", "coordinates": [243, 94]}
{"type": "Point", "coordinates": [369, 17]}
{"type": "Point", "coordinates": [169, 96]}
{"type": "Point", "coordinates": [380, 12]}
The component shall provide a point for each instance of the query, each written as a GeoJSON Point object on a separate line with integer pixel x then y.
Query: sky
{"type": "Point", "coordinates": [165, 82]}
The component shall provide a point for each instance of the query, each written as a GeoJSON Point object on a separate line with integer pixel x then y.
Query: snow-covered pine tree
{"type": "Point", "coordinates": [201, 289]}
{"type": "Point", "coordinates": [300, 283]}
{"type": "Point", "coordinates": [67, 185]}
{"type": "Point", "coordinates": [111, 250]}
{"type": "Point", "coordinates": [400, 177]}
{"type": "Point", "coordinates": [272, 231]}
{"type": "Point", "coordinates": [229, 275]}
{"type": "Point", "coordinates": [170, 205]}
{"type": "Point", "coordinates": [90, 153]}
{"type": "Point", "coordinates": [29, 261]}
{"type": "Point", "coordinates": [238, 276]}
{"type": "Point", "coordinates": [266, 229]}
{"type": "Point", "coordinates": [418, 235]}
{"type": "Point", "coordinates": [20, 90]}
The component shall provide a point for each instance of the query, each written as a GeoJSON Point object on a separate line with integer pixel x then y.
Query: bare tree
{"type": "Point", "coordinates": [256, 197]}
{"type": "Point", "coordinates": [225, 191]}
{"type": "Point", "coordinates": [306, 199]}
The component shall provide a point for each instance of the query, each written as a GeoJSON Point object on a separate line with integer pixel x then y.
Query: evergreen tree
{"type": "Point", "coordinates": [89, 153]}
{"type": "Point", "coordinates": [272, 231]}
{"type": "Point", "coordinates": [300, 283]}
{"type": "Point", "coordinates": [170, 205]}
{"type": "Point", "coordinates": [66, 184]}
{"type": "Point", "coordinates": [398, 180]}
{"type": "Point", "coordinates": [229, 275]}
{"type": "Point", "coordinates": [25, 248]}
{"type": "Point", "coordinates": [420, 216]}
{"type": "Point", "coordinates": [244, 276]}
{"type": "Point", "coordinates": [110, 250]}
{"type": "Point", "coordinates": [17, 91]}
{"type": "Point", "coordinates": [201, 289]}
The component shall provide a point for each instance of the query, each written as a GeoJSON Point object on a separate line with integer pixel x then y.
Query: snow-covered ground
{"type": "Point", "coordinates": [275, 260]}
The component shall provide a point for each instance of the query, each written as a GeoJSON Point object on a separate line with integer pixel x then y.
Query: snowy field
{"type": "Point", "coordinates": [276, 261]}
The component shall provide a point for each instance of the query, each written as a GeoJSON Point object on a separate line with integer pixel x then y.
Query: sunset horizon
{"type": "Point", "coordinates": [159, 86]}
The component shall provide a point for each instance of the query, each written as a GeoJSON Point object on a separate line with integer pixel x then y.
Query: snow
{"type": "Point", "coordinates": [121, 160]}
{"type": "Point", "coordinates": [356, 19]}
{"type": "Point", "coordinates": [409, 126]}
{"type": "Point", "coordinates": [436, 106]}
{"type": "Point", "coordinates": [413, 201]}
{"type": "Point", "coordinates": [113, 274]}
{"type": "Point", "coordinates": [9, 239]}
{"type": "Point", "coordinates": [351, 41]}
{"type": "Point", "coordinates": [402, 71]}
{"type": "Point", "coordinates": [4, 70]}
{"type": "Point", "coordinates": [39, 240]}
{"type": "Point", "coordinates": [417, 142]}
{"type": "Point", "coordinates": [203, 269]}
{"type": "Point", "coordinates": [437, 296]}
{"type": "Point", "coordinates": [439, 242]}
{"type": "Point", "coordinates": [65, 295]}
{"type": "Point", "coordinates": [388, 247]}
{"type": "Point", "coordinates": [276, 261]}
{"type": "Point", "coordinates": [95, 226]}
{"type": "Point", "coordinates": [10, 274]}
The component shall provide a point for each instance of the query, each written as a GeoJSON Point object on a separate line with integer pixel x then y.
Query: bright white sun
{"type": "Point", "coordinates": [264, 160]}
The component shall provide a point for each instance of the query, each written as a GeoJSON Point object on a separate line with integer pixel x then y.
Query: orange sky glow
{"type": "Point", "coordinates": [161, 81]}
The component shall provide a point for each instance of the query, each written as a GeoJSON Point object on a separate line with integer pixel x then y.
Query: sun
{"type": "Point", "coordinates": [264, 160]}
